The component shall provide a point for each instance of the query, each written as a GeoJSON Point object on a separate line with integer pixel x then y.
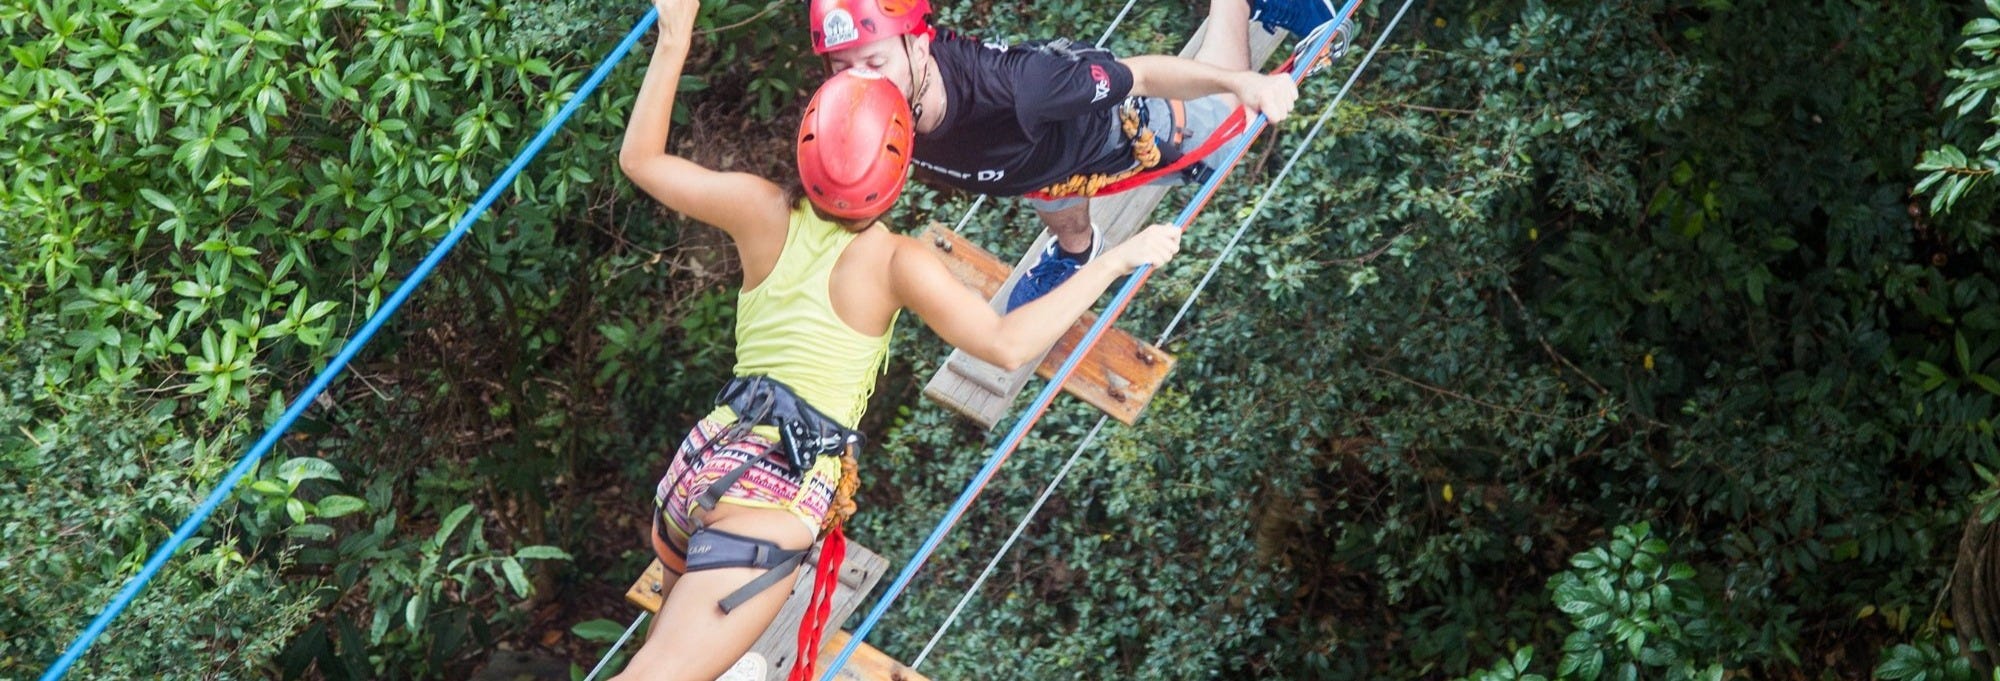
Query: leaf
{"type": "Point", "coordinates": [516, 577]}
{"type": "Point", "coordinates": [541, 553]}
{"type": "Point", "coordinates": [310, 532]}
{"type": "Point", "coordinates": [158, 200]}
{"type": "Point", "coordinates": [598, 630]}
{"type": "Point", "coordinates": [450, 524]}
{"type": "Point", "coordinates": [414, 612]}
{"type": "Point", "coordinates": [1985, 382]}
{"type": "Point", "coordinates": [303, 468]}
{"type": "Point", "coordinates": [338, 505]}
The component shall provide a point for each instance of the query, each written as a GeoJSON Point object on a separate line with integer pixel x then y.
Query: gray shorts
{"type": "Point", "coordinates": [1203, 117]}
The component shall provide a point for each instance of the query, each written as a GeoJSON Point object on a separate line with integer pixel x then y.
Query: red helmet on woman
{"type": "Point", "coordinates": [838, 24]}
{"type": "Point", "coordinates": [854, 145]}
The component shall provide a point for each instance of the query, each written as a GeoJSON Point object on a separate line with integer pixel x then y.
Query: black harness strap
{"type": "Point", "coordinates": [712, 549]}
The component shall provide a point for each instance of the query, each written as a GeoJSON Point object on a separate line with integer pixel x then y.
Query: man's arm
{"type": "Point", "coordinates": [1158, 75]}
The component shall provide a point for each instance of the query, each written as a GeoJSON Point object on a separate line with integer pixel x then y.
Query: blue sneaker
{"type": "Point", "coordinates": [1298, 17]}
{"type": "Point", "coordinates": [1054, 268]}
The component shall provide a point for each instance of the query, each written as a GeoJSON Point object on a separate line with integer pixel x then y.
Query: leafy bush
{"type": "Point", "coordinates": [1557, 269]}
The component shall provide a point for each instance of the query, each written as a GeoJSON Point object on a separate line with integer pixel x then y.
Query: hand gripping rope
{"type": "Point", "coordinates": [347, 352]}
{"type": "Point", "coordinates": [1232, 155]}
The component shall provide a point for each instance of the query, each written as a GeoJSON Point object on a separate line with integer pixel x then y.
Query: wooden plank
{"type": "Point", "coordinates": [858, 574]}
{"type": "Point", "coordinates": [983, 392]}
{"type": "Point", "coordinates": [1119, 376]}
{"type": "Point", "coordinates": [867, 663]}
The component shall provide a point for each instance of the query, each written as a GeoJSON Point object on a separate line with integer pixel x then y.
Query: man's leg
{"type": "Point", "coordinates": [1070, 223]}
{"type": "Point", "coordinates": [1075, 244]}
{"type": "Point", "coordinates": [1227, 44]}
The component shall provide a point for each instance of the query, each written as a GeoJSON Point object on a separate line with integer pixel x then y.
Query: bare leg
{"type": "Point", "coordinates": [692, 639]}
{"type": "Point", "coordinates": [1227, 43]}
{"type": "Point", "coordinates": [1070, 225]}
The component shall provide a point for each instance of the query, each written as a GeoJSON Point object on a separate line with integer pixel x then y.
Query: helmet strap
{"type": "Point", "coordinates": [920, 84]}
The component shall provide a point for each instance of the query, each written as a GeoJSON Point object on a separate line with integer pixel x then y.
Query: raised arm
{"type": "Point", "coordinates": [964, 320]}
{"type": "Point", "coordinates": [746, 206]}
{"type": "Point", "coordinates": [1159, 75]}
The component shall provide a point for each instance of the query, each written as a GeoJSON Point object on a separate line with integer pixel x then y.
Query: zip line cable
{"type": "Point", "coordinates": [1228, 250]}
{"type": "Point", "coordinates": [353, 346]}
{"type": "Point", "coordinates": [1041, 403]}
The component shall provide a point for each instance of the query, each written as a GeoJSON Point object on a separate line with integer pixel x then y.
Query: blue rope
{"type": "Point", "coordinates": [305, 399]}
{"type": "Point", "coordinates": [1233, 153]}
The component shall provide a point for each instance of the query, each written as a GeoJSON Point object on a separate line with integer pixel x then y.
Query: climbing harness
{"type": "Point", "coordinates": [1151, 160]}
{"type": "Point", "coordinates": [805, 435]}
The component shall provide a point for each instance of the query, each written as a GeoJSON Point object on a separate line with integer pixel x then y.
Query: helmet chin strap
{"type": "Point", "coordinates": [920, 86]}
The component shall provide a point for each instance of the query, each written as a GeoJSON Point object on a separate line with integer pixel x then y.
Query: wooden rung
{"type": "Point", "coordinates": [647, 592]}
{"type": "Point", "coordinates": [858, 574]}
{"type": "Point", "coordinates": [866, 664]}
{"type": "Point", "coordinates": [1120, 374]}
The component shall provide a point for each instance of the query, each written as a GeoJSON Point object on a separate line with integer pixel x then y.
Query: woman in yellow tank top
{"type": "Point", "coordinates": [823, 283]}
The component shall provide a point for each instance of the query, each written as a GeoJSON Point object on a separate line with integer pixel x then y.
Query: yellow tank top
{"type": "Point", "coordinates": [786, 327]}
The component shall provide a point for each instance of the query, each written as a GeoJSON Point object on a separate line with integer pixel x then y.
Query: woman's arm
{"type": "Point", "coordinates": [964, 320]}
{"type": "Point", "coordinates": [741, 204]}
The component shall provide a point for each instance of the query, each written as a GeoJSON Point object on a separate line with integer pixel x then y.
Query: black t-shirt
{"type": "Point", "coordinates": [1019, 118]}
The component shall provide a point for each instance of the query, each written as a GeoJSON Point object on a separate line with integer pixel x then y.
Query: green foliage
{"type": "Point", "coordinates": [1634, 616]}
{"type": "Point", "coordinates": [1951, 172]}
{"type": "Point", "coordinates": [1560, 275]}
{"type": "Point", "coordinates": [1558, 267]}
{"type": "Point", "coordinates": [207, 198]}
{"type": "Point", "coordinates": [1927, 660]}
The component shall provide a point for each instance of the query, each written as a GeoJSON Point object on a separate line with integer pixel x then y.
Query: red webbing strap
{"type": "Point", "coordinates": [1228, 130]}
{"type": "Point", "coordinates": [826, 578]}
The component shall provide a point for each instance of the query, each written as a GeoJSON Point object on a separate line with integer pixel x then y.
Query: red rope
{"type": "Point", "coordinates": [826, 578]}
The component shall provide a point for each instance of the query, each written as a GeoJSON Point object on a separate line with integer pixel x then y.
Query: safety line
{"type": "Point", "coordinates": [1091, 437]}
{"type": "Point", "coordinates": [1083, 347]}
{"type": "Point", "coordinates": [347, 352]}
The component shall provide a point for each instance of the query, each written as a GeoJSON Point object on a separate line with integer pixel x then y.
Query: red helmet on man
{"type": "Point", "coordinates": [839, 24]}
{"type": "Point", "coordinates": [854, 145]}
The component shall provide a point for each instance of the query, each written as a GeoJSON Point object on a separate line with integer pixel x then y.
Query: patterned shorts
{"type": "Point", "coordinates": [768, 484]}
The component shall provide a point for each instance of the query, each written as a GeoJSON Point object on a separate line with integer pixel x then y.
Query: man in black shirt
{"type": "Point", "coordinates": [1057, 119]}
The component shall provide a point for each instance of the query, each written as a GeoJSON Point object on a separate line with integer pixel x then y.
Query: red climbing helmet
{"type": "Point", "coordinates": [847, 23]}
{"type": "Point", "coordinates": [854, 145]}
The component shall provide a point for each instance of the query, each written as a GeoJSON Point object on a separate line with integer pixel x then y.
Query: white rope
{"type": "Point", "coordinates": [616, 646]}
{"type": "Point", "coordinates": [1269, 190]}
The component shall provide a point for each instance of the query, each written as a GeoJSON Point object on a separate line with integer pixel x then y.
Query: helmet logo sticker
{"type": "Point", "coordinates": [838, 27]}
